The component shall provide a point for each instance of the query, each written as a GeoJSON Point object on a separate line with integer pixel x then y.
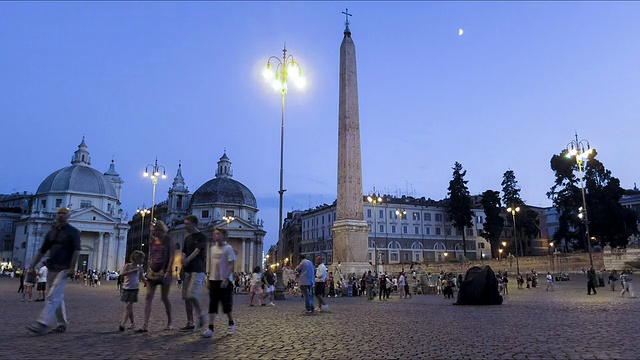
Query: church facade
{"type": "Point", "coordinates": [220, 202]}
{"type": "Point", "coordinates": [93, 199]}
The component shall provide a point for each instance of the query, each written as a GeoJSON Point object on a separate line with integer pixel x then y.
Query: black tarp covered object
{"type": "Point", "coordinates": [479, 287]}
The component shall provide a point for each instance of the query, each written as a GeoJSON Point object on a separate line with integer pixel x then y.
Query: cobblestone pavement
{"type": "Point", "coordinates": [531, 324]}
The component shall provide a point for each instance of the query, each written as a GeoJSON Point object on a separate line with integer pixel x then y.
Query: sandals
{"type": "Point", "coordinates": [141, 331]}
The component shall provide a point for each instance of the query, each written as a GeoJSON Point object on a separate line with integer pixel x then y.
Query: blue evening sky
{"type": "Point", "coordinates": [182, 81]}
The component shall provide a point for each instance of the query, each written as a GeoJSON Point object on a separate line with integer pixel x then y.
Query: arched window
{"type": "Point", "coordinates": [439, 246]}
{"type": "Point", "coordinates": [416, 246]}
{"type": "Point", "coordinates": [394, 245]}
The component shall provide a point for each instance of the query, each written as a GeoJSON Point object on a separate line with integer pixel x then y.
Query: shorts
{"type": "Point", "coordinates": [192, 284]}
{"type": "Point", "coordinates": [129, 295]}
{"type": "Point", "coordinates": [271, 288]}
{"type": "Point", "coordinates": [220, 295]}
{"type": "Point", "coordinates": [42, 286]}
{"type": "Point", "coordinates": [28, 284]}
{"type": "Point", "coordinates": [318, 289]}
{"type": "Point", "coordinates": [257, 288]}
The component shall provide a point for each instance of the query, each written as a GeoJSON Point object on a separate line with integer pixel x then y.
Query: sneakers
{"type": "Point", "coordinates": [38, 328]}
{"type": "Point", "coordinates": [187, 328]}
{"type": "Point", "coordinates": [208, 333]}
{"type": "Point", "coordinates": [168, 328]}
{"type": "Point", "coordinates": [232, 329]}
{"type": "Point", "coordinates": [272, 304]}
{"type": "Point", "coordinates": [202, 319]}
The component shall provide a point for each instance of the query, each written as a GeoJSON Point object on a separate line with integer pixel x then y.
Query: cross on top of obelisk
{"type": "Point", "coordinates": [346, 23]}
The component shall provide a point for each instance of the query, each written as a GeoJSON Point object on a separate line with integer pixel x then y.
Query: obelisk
{"type": "Point", "coordinates": [350, 231]}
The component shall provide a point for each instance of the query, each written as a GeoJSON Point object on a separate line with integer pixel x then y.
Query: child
{"type": "Point", "coordinates": [29, 282]}
{"type": "Point", "coordinates": [131, 276]}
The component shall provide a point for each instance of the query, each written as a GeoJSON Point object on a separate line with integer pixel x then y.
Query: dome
{"type": "Point", "coordinates": [78, 178]}
{"type": "Point", "coordinates": [223, 190]}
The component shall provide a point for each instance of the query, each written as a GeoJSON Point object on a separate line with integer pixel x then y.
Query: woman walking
{"type": "Point", "coordinates": [256, 286]}
{"type": "Point", "coordinates": [160, 265]}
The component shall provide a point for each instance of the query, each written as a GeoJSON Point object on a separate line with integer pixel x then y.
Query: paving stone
{"type": "Point", "coordinates": [531, 324]}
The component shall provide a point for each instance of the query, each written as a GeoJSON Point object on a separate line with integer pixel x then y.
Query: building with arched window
{"type": "Point", "coordinates": [402, 231]}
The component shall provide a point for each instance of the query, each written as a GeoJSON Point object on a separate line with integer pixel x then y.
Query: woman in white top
{"type": "Point", "coordinates": [256, 286]}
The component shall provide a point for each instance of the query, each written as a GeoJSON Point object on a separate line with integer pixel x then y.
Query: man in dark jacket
{"type": "Point", "coordinates": [63, 242]}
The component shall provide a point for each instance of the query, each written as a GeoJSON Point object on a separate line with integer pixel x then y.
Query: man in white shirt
{"type": "Point", "coordinates": [320, 280]}
{"type": "Point", "coordinates": [42, 282]}
{"type": "Point", "coordinates": [549, 281]}
{"type": "Point", "coordinates": [220, 284]}
{"type": "Point", "coordinates": [401, 284]}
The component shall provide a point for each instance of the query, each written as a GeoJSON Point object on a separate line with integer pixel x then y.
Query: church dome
{"type": "Point", "coordinates": [79, 177]}
{"type": "Point", "coordinates": [223, 189]}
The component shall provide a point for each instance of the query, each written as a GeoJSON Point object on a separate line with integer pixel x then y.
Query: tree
{"type": "Point", "coordinates": [510, 190]}
{"type": "Point", "coordinates": [609, 221]}
{"type": "Point", "coordinates": [494, 223]}
{"type": "Point", "coordinates": [527, 223]}
{"type": "Point", "coordinates": [459, 206]}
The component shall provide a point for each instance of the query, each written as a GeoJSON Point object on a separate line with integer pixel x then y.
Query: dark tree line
{"type": "Point", "coordinates": [609, 221]}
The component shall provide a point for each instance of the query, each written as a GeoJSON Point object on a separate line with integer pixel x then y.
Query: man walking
{"type": "Point", "coordinates": [306, 280]}
{"type": "Point", "coordinates": [382, 285]}
{"type": "Point", "coordinates": [42, 281]}
{"type": "Point", "coordinates": [626, 283]}
{"type": "Point", "coordinates": [63, 242]}
{"type": "Point", "coordinates": [193, 267]}
{"type": "Point", "coordinates": [321, 278]}
{"type": "Point", "coordinates": [369, 284]}
{"type": "Point", "coordinates": [550, 281]}
{"type": "Point", "coordinates": [221, 262]}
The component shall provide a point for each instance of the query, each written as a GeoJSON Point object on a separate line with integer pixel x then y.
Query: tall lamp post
{"type": "Point", "coordinates": [513, 211]}
{"type": "Point", "coordinates": [284, 69]}
{"type": "Point", "coordinates": [375, 199]}
{"type": "Point", "coordinates": [155, 174]}
{"type": "Point", "coordinates": [144, 211]}
{"type": "Point", "coordinates": [581, 150]}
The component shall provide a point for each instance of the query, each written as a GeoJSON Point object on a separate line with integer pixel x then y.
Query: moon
{"type": "Point", "coordinates": [460, 32]}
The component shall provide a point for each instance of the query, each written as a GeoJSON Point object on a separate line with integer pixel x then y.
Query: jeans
{"type": "Point", "coordinates": [308, 300]}
{"type": "Point", "coordinates": [54, 301]}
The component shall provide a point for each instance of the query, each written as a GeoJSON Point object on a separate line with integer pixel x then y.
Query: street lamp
{"type": "Point", "coordinates": [513, 211]}
{"type": "Point", "coordinates": [155, 174]}
{"type": "Point", "coordinates": [144, 211]}
{"type": "Point", "coordinates": [581, 150]}
{"type": "Point", "coordinates": [551, 247]}
{"type": "Point", "coordinates": [499, 254]}
{"type": "Point", "coordinates": [285, 68]}
{"type": "Point", "coordinates": [375, 200]}
{"type": "Point", "coordinates": [228, 219]}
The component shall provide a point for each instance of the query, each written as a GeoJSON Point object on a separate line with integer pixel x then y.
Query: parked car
{"type": "Point", "coordinates": [113, 275]}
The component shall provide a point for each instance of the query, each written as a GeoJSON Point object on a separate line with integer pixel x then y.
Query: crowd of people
{"type": "Point", "coordinates": [314, 282]}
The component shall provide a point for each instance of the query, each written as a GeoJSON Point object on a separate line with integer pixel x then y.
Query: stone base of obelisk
{"type": "Point", "coordinates": [350, 240]}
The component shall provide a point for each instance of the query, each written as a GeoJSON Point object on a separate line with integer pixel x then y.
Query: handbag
{"type": "Point", "coordinates": [155, 275]}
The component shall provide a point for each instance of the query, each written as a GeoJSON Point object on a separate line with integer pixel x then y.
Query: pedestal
{"type": "Point", "coordinates": [350, 248]}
